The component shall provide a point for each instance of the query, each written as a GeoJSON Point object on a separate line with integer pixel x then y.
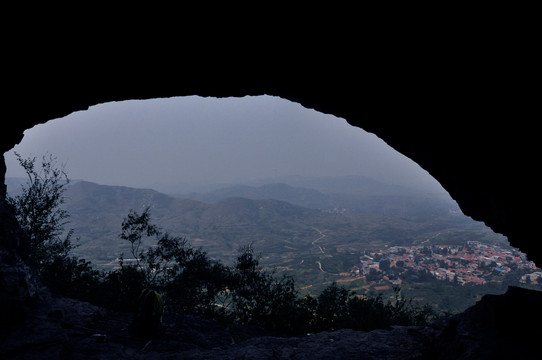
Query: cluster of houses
{"type": "Point", "coordinates": [532, 278]}
{"type": "Point", "coordinates": [473, 263]}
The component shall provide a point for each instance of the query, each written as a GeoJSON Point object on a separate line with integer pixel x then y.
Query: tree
{"type": "Point", "coordinates": [39, 213]}
{"type": "Point", "coordinates": [332, 309]}
{"type": "Point", "coordinates": [261, 299]}
{"type": "Point", "coordinates": [384, 265]}
{"type": "Point", "coordinates": [134, 228]}
{"type": "Point", "coordinates": [38, 209]}
{"type": "Point", "coordinates": [191, 282]}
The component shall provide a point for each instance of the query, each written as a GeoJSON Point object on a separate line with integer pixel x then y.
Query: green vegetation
{"type": "Point", "coordinates": [241, 294]}
{"type": "Point", "coordinates": [244, 293]}
{"type": "Point", "coordinates": [189, 280]}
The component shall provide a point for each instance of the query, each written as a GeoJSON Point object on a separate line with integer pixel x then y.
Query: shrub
{"type": "Point", "coordinates": [196, 285]}
{"type": "Point", "coordinates": [261, 299]}
{"type": "Point", "coordinates": [120, 288]}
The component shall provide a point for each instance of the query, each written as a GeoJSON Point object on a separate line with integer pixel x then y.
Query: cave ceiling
{"type": "Point", "coordinates": [470, 128]}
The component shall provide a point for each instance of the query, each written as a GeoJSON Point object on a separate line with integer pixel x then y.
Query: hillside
{"type": "Point", "coordinates": [97, 212]}
{"type": "Point", "coordinates": [309, 242]}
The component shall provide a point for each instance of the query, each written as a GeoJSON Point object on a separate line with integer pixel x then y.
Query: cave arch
{"type": "Point", "coordinates": [482, 165]}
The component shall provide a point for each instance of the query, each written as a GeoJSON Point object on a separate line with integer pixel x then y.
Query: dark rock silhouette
{"type": "Point", "coordinates": [496, 327]}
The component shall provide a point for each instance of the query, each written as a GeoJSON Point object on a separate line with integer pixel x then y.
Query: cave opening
{"type": "Point", "coordinates": [381, 217]}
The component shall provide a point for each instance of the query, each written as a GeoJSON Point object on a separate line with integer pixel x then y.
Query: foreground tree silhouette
{"type": "Point", "coordinates": [245, 293]}
{"type": "Point", "coordinates": [38, 210]}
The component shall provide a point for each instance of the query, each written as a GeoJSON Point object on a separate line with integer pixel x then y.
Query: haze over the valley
{"type": "Point", "coordinates": [181, 144]}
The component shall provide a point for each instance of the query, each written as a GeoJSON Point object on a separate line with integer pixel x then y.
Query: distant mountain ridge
{"type": "Point", "coordinates": [351, 184]}
{"type": "Point", "coordinates": [344, 194]}
{"type": "Point", "coordinates": [277, 191]}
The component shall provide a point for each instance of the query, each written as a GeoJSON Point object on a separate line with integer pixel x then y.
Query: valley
{"type": "Point", "coordinates": [314, 236]}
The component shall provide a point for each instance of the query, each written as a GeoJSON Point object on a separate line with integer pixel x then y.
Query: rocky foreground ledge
{"type": "Point", "coordinates": [498, 326]}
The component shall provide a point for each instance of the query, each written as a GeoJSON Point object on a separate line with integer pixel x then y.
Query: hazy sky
{"type": "Point", "coordinates": [209, 140]}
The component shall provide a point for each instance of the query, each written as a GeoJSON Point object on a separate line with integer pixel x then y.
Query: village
{"type": "Point", "coordinates": [473, 263]}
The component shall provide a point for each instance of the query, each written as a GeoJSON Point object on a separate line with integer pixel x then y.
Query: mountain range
{"type": "Point", "coordinates": [352, 184]}
{"type": "Point", "coordinates": [284, 223]}
{"type": "Point", "coordinates": [355, 194]}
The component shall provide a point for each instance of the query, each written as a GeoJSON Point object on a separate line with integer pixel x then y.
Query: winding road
{"type": "Point", "coordinates": [322, 235]}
